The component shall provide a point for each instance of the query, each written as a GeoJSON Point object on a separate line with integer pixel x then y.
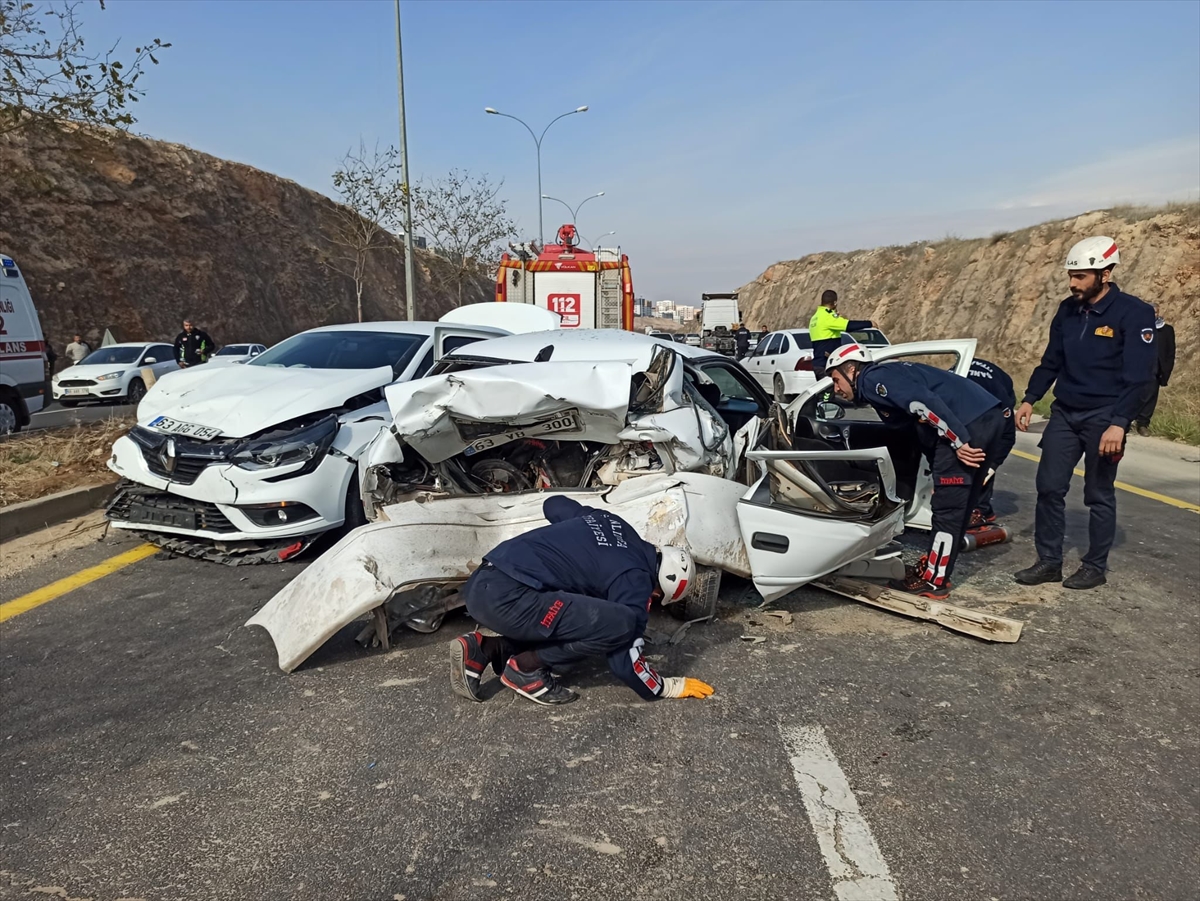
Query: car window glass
{"type": "Point", "coordinates": [729, 383]}
{"type": "Point", "coordinates": [784, 346]}
{"type": "Point", "coordinates": [773, 346]}
{"type": "Point", "coordinates": [110, 356]}
{"type": "Point", "coordinates": [164, 352]}
{"type": "Point", "coordinates": [802, 339]}
{"type": "Point", "coordinates": [343, 349]}
{"type": "Point", "coordinates": [423, 366]}
{"type": "Point", "coordinates": [869, 336]}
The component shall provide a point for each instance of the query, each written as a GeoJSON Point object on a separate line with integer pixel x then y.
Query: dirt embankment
{"type": "Point", "coordinates": [1002, 290]}
{"type": "Point", "coordinates": [115, 231]}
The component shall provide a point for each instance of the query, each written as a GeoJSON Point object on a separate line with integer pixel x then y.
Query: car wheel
{"type": "Point", "coordinates": [137, 390]}
{"type": "Point", "coordinates": [355, 514]}
{"type": "Point", "coordinates": [777, 387]}
{"type": "Point", "coordinates": [10, 417]}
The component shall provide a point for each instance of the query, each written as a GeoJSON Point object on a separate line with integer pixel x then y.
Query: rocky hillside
{"type": "Point", "coordinates": [1002, 290]}
{"type": "Point", "coordinates": [115, 231]}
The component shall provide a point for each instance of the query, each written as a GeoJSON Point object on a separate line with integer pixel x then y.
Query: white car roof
{"type": "Point", "coordinates": [572, 345]}
{"type": "Point", "coordinates": [401, 326]}
{"type": "Point", "coordinates": [129, 344]}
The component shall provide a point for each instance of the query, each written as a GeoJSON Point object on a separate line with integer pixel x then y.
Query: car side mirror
{"type": "Point", "coordinates": [149, 360]}
{"type": "Point", "coordinates": [255, 353]}
{"type": "Point", "coordinates": [830, 411]}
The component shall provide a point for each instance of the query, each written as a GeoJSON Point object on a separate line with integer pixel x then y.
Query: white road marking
{"type": "Point", "coordinates": [858, 869]}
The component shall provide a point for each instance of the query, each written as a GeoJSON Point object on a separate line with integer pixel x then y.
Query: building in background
{"type": "Point", "coordinates": [664, 309]}
{"type": "Point", "coordinates": [685, 314]}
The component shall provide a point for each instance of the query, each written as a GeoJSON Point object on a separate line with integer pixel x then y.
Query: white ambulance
{"type": "Point", "coordinates": [22, 351]}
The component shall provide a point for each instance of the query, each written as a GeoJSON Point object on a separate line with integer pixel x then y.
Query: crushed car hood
{"type": "Point", "coordinates": [243, 400]}
{"type": "Point", "coordinates": [519, 400]}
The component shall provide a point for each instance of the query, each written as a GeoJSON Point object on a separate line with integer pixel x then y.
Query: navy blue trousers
{"type": "Point", "coordinates": [1008, 438]}
{"type": "Point", "coordinates": [563, 628]}
{"type": "Point", "coordinates": [1069, 435]}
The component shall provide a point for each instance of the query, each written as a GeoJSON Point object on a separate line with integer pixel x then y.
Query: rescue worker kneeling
{"type": "Point", "coordinates": [966, 427]}
{"type": "Point", "coordinates": [579, 587]}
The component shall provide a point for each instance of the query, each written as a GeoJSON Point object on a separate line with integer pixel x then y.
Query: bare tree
{"type": "Point", "coordinates": [46, 72]}
{"type": "Point", "coordinates": [464, 220]}
{"type": "Point", "coordinates": [371, 194]}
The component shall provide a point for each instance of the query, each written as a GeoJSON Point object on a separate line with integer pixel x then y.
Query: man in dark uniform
{"type": "Point", "coordinates": [193, 346]}
{"type": "Point", "coordinates": [966, 425]}
{"type": "Point", "coordinates": [1100, 356]}
{"type": "Point", "coordinates": [579, 587]}
{"type": "Point", "coordinates": [1164, 340]}
{"type": "Point", "coordinates": [742, 335]}
{"type": "Point", "coordinates": [997, 383]}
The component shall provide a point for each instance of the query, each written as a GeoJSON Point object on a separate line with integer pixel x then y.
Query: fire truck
{"type": "Point", "coordinates": [587, 289]}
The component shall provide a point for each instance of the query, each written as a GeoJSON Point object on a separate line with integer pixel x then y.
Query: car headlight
{"type": "Point", "coordinates": [110, 375]}
{"type": "Point", "coordinates": [304, 445]}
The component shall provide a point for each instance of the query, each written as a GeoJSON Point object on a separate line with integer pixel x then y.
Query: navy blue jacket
{"type": "Point", "coordinates": [994, 380]}
{"type": "Point", "coordinates": [594, 553]}
{"type": "Point", "coordinates": [943, 400]}
{"type": "Point", "coordinates": [1099, 356]}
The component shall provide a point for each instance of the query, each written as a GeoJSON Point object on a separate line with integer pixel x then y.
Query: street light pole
{"type": "Point", "coordinates": [574, 212]}
{"type": "Point", "coordinates": [538, 142]}
{"type": "Point", "coordinates": [409, 289]}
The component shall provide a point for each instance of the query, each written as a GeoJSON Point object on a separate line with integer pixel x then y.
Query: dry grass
{"type": "Point", "coordinates": [36, 464]}
{"type": "Point", "coordinates": [1177, 417]}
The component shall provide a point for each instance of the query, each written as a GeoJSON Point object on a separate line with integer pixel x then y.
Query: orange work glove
{"type": "Point", "coordinates": [679, 687]}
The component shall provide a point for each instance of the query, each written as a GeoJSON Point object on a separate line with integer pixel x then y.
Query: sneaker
{"type": "Point", "coordinates": [1042, 571]}
{"type": "Point", "coordinates": [540, 686]}
{"type": "Point", "coordinates": [1087, 576]}
{"type": "Point", "coordinates": [980, 520]}
{"type": "Point", "coordinates": [913, 583]}
{"type": "Point", "coordinates": [467, 664]}
{"type": "Point", "coordinates": [1143, 430]}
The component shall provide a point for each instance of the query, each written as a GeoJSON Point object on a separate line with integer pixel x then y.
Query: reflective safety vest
{"type": "Point", "coordinates": [826, 325]}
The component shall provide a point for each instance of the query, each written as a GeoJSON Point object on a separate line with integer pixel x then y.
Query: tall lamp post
{"type": "Point", "coordinates": [537, 141]}
{"type": "Point", "coordinates": [593, 244]}
{"type": "Point", "coordinates": [409, 287]}
{"type": "Point", "coordinates": [574, 212]}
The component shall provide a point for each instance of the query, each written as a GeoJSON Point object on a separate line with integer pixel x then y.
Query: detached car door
{"type": "Point", "coordinates": [859, 426]}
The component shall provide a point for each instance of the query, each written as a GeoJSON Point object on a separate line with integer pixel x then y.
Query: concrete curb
{"type": "Point", "coordinates": [30, 516]}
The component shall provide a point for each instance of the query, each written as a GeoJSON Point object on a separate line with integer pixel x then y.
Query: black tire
{"type": "Point", "coordinates": [10, 417]}
{"type": "Point", "coordinates": [777, 382]}
{"type": "Point", "coordinates": [355, 514]}
{"type": "Point", "coordinates": [702, 602]}
{"type": "Point", "coordinates": [135, 392]}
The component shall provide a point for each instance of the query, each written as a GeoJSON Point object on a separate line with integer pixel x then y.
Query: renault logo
{"type": "Point", "coordinates": [167, 457]}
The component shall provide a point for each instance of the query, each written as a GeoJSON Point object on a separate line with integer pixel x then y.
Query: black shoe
{"type": "Point", "coordinates": [539, 686]}
{"type": "Point", "coordinates": [1087, 576]}
{"type": "Point", "coordinates": [913, 583]}
{"type": "Point", "coordinates": [1143, 430]}
{"type": "Point", "coordinates": [467, 664]}
{"type": "Point", "coordinates": [1042, 571]}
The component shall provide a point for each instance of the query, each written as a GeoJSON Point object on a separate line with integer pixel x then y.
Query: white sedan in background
{"type": "Point", "coordinates": [113, 373]}
{"type": "Point", "coordinates": [236, 353]}
{"type": "Point", "coordinates": [251, 463]}
{"type": "Point", "coordinates": [782, 362]}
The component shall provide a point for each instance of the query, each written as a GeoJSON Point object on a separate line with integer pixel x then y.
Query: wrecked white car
{"type": "Point", "coordinates": [250, 463]}
{"type": "Point", "coordinates": [680, 442]}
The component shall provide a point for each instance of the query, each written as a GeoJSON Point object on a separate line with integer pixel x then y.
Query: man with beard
{"type": "Point", "coordinates": [1100, 356]}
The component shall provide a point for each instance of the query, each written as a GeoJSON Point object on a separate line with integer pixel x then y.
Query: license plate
{"type": "Point", "coordinates": [561, 422]}
{"type": "Point", "coordinates": [175, 427]}
{"type": "Point", "coordinates": [75, 392]}
{"type": "Point", "coordinates": [180, 519]}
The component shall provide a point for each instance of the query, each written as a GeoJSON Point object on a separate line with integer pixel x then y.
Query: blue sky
{"type": "Point", "coordinates": [726, 136]}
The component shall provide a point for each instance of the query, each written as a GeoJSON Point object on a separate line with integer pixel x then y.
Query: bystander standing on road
{"type": "Point", "coordinates": [580, 587]}
{"type": "Point", "coordinates": [193, 346]}
{"type": "Point", "coordinates": [77, 350]}
{"type": "Point", "coordinates": [825, 330]}
{"type": "Point", "coordinates": [1164, 339]}
{"type": "Point", "coordinates": [1099, 358]}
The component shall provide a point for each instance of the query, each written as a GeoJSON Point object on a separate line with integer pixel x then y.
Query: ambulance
{"type": "Point", "coordinates": [22, 351]}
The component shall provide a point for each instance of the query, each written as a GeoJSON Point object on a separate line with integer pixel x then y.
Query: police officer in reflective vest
{"type": "Point", "coordinates": [1099, 358]}
{"type": "Point", "coordinates": [965, 425]}
{"type": "Point", "coordinates": [825, 330]}
{"type": "Point", "coordinates": [579, 587]}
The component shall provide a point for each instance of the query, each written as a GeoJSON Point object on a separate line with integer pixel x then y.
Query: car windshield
{"type": "Point", "coordinates": [869, 336]}
{"type": "Point", "coordinates": [113, 356]}
{"type": "Point", "coordinates": [342, 350]}
{"type": "Point", "coordinates": [233, 350]}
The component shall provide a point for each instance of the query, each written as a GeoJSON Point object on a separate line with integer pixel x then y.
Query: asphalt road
{"type": "Point", "coordinates": [56, 416]}
{"type": "Point", "coordinates": [151, 749]}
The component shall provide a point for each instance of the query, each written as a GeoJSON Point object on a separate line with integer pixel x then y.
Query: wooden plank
{"type": "Point", "coordinates": [987, 626]}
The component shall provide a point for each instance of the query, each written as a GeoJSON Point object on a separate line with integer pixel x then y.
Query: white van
{"type": "Point", "coordinates": [22, 351]}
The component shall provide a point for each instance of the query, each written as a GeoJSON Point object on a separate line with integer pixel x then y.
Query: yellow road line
{"type": "Point", "coordinates": [57, 589]}
{"type": "Point", "coordinates": [1125, 486]}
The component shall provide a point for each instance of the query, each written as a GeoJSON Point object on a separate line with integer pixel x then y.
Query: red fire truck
{"type": "Point", "coordinates": [587, 289]}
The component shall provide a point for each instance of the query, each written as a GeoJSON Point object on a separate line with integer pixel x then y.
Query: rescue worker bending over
{"type": "Point", "coordinates": [963, 423]}
{"type": "Point", "coordinates": [825, 330]}
{"type": "Point", "coordinates": [997, 383]}
{"type": "Point", "coordinates": [579, 587]}
{"type": "Point", "coordinates": [1100, 357]}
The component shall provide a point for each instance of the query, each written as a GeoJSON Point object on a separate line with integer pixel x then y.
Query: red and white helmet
{"type": "Point", "coordinates": [675, 572]}
{"type": "Point", "coordinates": [1099, 252]}
{"type": "Point", "coordinates": [848, 353]}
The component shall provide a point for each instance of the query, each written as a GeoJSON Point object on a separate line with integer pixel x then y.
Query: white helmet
{"type": "Point", "coordinates": [675, 571]}
{"type": "Point", "coordinates": [847, 353]}
{"type": "Point", "coordinates": [1099, 252]}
